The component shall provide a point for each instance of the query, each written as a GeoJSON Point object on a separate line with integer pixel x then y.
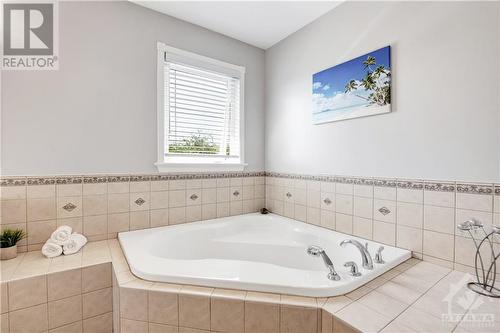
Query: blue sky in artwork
{"type": "Point", "coordinates": [332, 81]}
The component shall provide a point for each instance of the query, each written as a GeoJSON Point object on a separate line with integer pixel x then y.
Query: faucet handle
{"type": "Point", "coordinates": [354, 268]}
{"type": "Point", "coordinates": [378, 256]}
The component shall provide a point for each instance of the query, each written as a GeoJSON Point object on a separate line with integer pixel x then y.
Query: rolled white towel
{"type": "Point", "coordinates": [61, 235]}
{"type": "Point", "coordinates": [74, 244]}
{"type": "Point", "coordinates": [50, 249]}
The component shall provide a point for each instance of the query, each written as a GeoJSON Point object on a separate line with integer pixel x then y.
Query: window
{"type": "Point", "coordinates": [200, 112]}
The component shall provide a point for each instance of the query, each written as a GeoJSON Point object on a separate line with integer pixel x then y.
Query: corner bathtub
{"type": "Point", "coordinates": [251, 252]}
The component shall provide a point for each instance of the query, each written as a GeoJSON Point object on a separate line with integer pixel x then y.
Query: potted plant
{"type": "Point", "coordinates": [8, 242]}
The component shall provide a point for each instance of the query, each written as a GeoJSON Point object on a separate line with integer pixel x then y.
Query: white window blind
{"type": "Point", "coordinates": [202, 112]}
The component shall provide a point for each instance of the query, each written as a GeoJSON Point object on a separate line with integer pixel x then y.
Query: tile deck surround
{"type": "Point", "coordinates": [413, 297]}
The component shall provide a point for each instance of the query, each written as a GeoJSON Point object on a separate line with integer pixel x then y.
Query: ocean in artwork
{"type": "Point", "coordinates": [356, 88]}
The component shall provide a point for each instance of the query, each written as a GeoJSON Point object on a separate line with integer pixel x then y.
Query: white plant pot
{"type": "Point", "coordinates": [7, 253]}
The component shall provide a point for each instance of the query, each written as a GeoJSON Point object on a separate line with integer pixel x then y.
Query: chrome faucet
{"type": "Point", "coordinates": [366, 259]}
{"type": "Point", "coordinates": [317, 252]}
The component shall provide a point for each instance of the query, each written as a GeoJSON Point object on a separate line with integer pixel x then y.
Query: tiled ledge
{"type": "Point", "coordinates": [410, 298]}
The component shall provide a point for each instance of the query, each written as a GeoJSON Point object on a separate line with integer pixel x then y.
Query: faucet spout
{"type": "Point", "coordinates": [319, 252]}
{"type": "Point", "coordinates": [366, 259]}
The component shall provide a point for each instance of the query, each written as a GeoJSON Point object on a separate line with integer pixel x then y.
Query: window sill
{"type": "Point", "coordinates": [199, 167]}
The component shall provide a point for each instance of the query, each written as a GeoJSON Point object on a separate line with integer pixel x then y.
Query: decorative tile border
{"type": "Point", "coordinates": [95, 179]}
{"type": "Point", "coordinates": [475, 188]}
{"type": "Point", "coordinates": [444, 186]}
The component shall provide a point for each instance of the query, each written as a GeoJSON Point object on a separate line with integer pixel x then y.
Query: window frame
{"type": "Point", "coordinates": [203, 162]}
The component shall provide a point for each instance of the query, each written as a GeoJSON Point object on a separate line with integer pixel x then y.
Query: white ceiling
{"type": "Point", "coordinates": [258, 23]}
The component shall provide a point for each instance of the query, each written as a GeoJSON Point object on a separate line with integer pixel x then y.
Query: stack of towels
{"type": "Point", "coordinates": [63, 241]}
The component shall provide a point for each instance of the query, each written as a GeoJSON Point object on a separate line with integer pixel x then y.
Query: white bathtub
{"type": "Point", "coordinates": [250, 252]}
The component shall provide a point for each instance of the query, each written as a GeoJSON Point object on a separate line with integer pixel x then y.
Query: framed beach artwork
{"type": "Point", "coordinates": [357, 88]}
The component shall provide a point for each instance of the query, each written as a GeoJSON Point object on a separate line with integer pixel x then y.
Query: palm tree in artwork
{"type": "Point", "coordinates": [376, 81]}
{"type": "Point", "coordinates": [369, 62]}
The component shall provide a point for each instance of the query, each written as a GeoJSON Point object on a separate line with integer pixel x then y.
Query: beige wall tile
{"type": "Point", "coordinates": [194, 197]}
{"type": "Point", "coordinates": [76, 223]}
{"type": "Point", "coordinates": [193, 213]}
{"type": "Point", "coordinates": [223, 194]}
{"type": "Point", "coordinates": [227, 315]}
{"type": "Point", "coordinates": [69, 190]}
{"type": "Point", "coordinates": [384, 232]}
{"type": "Point", "coordinates": [248, 206]}
{"type": "Point", "coordinates": [134, 304]}
{"type": "Point", "coordinates": [41, 209]}
{"type": "Point", "coordinates": [27, 292]}
{"type": "Point", "coordinates": [259, 191]}
{"type": "Point", "coordinates": [4, 297]}
{"type": "Point", "coordinates": [97, 302]}
{"type": "Point", "coordinates": [159, 328]}
{"type": "Point", "coordinates": [327, 218]}
{"type": "Point", "coordinates": [261, 317]}
{"type": "Point", "coordinates": [438, 198]}
{"type": "Point", "coordinates": [40, 191]}
{"type": "Point", "coordinates": [363, 190]}
{"type": "Point", "coordinates": [95, 225]}
{"type": "Point", "coordinates": [347, 189]}
{"type": "Point", "coordinates": [209, 211]}
{"type": "Point", "coordinates": [438, 245]}
{"type": "Point", "coordinates": [314, 198]}
{"type": "Point", "coordinates": [158, 217]}
{"type": "Point", "coordinates": [119, 187]}
{"type": "Point", "coordinates": [13, 211]}
{"type": "Point", "coordinates": [410, 195]}
{"type": "Point", "coordinates": [300, 212]}
{"type": "Point", "coordinates": [327, 201]}
{"type": "Point", "coordinates": [29, 320]}
{"type": "Point", "coordinates": [95, 204]}
{"type": "Point", "coordinates": [141, 186]}
{"type": "Point", "coordinates": [63, 201]}
{"type": "Point", "coordinates": [118, 222]}
{"type": "Point", "coordinates": [194, 311]}
{"type": "Point", "coordinates": [75, 327]}
{"type": "Point", "coordinates": [139, 220]}
{"type": "Point", "coordinates": [209, 195]}
{"type": "Point", "coordinates": [313, 215]}
{"type": "Point", "coordinates": [384, 217]}
{"type": "Point", "coordinates": [177, 215]}
{"type": "Point", "coordinates": [248, 192]}
{"type": "Point", "coordinates": [223, 209]}
{"type": "Point", "coordinates": [363, 207]}
{"type": "Point", "coordinates": [65, 311]}
{"type": "Point", "coordinates": [409, 238]}
{"type": "Point", "coordinates": [296, 319]}
{"type": "Point", "coordinates": [441, 219]}
{"type": "Point", "coordinates": [496, 208]}
{"type": "Point", "coordinates": [209, 183]}
{"type": "Point", "coordinates": [95, 189]}
{"type": "Point", "coordinates": [133, 326]}
{"type": "Point", "coordinates": [64, 284]}
{"type": "Point", "coordinates": [179, 184]}
{"type": "Point", "coordinates": [362, 227]}
{"type": "Point", "coordinates": [235, 207]}
{"type": "Point", "coordinates": [177, 198]}
{"type": "Point", "coordinates": [483, 202]}
{"type": "Point", "coordinates": [12, 192]}
{"type": "Point", "coordinates": [410, 214]}
{"type": "Point", "coordinates": [343, 223]}
{"type": "Point", "coordinates": [159, 199]}
{"type": "Point", "coordinates": [384, 193]}
{"type": "Point", "coordinates": [163, 308]}
{"type": "Point", "coordinates": [96, 277]}
{"type": "Point", "coordinates": [344, 204]}
{"type": "Point", "coordinates": [40, 231]}
{"type": "Point", "coordinates": [118, 203]}
{"type": "Point", "coordinates": [159, 185]}
{"type": "Point", "coordinates": [99, 324]}
{"type": "Point", "coordinates": [139, 201]}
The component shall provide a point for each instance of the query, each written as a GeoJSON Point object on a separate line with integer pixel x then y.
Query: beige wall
{"type": "Point", "coordinates": [97, 113]}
